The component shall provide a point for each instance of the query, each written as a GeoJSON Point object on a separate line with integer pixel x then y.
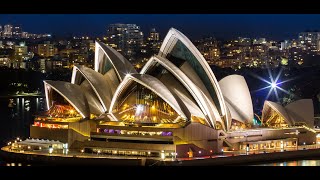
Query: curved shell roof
{"type": "Point", "coordinates": [154, 85]}
{"type": "Point", "coordinates": [200, 98]}
{"type": "Point", "coordinates": [237, 96]}
{"type": "Point", "coordinates": [199, 64]}
{"type": "Point", "coordinates": [72, 93]}
{"type": "Point", "coordinates": [200, 93]}
{"type": "Point", "coordinates": [121, 65]}
{"type": "Point", "coordinates": [301, 111]}
{"type": "Point", "coordinates": [278, 108]}
{"type": "Point", "coordinates": [93, 101]}
{"type": "Point", "coordinates": [99, 85]}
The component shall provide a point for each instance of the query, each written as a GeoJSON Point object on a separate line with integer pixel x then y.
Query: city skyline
{"type": "Point", "coordinates": [225, 26]}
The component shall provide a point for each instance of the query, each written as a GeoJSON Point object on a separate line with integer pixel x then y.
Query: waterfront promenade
{"type": "Point", "coordinates": [226, 158]}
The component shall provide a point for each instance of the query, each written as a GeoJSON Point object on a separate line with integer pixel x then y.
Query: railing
{"type": "Point", "coordinates": [312, 146]}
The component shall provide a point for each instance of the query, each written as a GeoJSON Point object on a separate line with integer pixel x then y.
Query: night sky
{"type": "Point", "coordinates": [195, 26]}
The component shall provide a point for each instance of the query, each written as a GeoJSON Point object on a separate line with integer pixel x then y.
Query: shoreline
{"type": "Point", "coordinates": [256, 159]}
{"type": "Point", "coordinates": [252, 159]}
{"type": "Point", "coordinates": [21, 95]}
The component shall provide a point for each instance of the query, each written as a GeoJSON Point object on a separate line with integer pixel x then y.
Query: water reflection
{"type": "Point", "coordinates": [17, 115]}
{"type": "Point", "coordinates": [294, 163]}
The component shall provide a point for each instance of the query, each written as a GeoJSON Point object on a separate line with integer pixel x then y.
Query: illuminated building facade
{"type": "Point", "coordinates": [47, 49]}
{"type": "Point", "coordinates": [126, 38]}
{"type": "Point", "coordinates": [153, 41]}
{"type": "Point", "coordinates": [7, 31]}
{"type": "Point", "coordinates": [20, 54]}
{"type": "Point", "coordinates": [17, 32]}
{"type": "Point", "coordinates": [174, 107]}
{"type": "Point", "coordinates": [309, 40]}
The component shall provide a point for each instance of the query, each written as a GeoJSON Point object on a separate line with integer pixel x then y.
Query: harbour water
{"type": "Point", "coordinates": [17, 114]}
{"type": "Point", "coordinates": [294, 163]}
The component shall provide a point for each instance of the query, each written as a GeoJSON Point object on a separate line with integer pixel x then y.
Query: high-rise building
{"type": "Point", "coordinates": [309, 40]}
{"type": "Point", "coordinates": [153, 41]}
{"type": "Point", "coordinates": [284, 45]}
{"type": "Point", "coordinates": [47, 49]}
{"type": "Point", "coordinates": [17, 32]}
{"type": "Point", "coordinates": [116, 36]}
{"type": "Point", "coordinates": [154, 35]}
{"type": "Point", "coordinates": [20, 54]}
{"type": "Point", "coordinates": [125, 38]}
{"type": "Point", "coordinates": [7, 31]}
{"type": "Point", "coordinates": [21, 49]}
{"type": "Point", "coordinates": [91, 46]}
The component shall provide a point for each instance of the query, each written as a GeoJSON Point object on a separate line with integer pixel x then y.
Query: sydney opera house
{"type": "Point", "coordinates": [173, 107]}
